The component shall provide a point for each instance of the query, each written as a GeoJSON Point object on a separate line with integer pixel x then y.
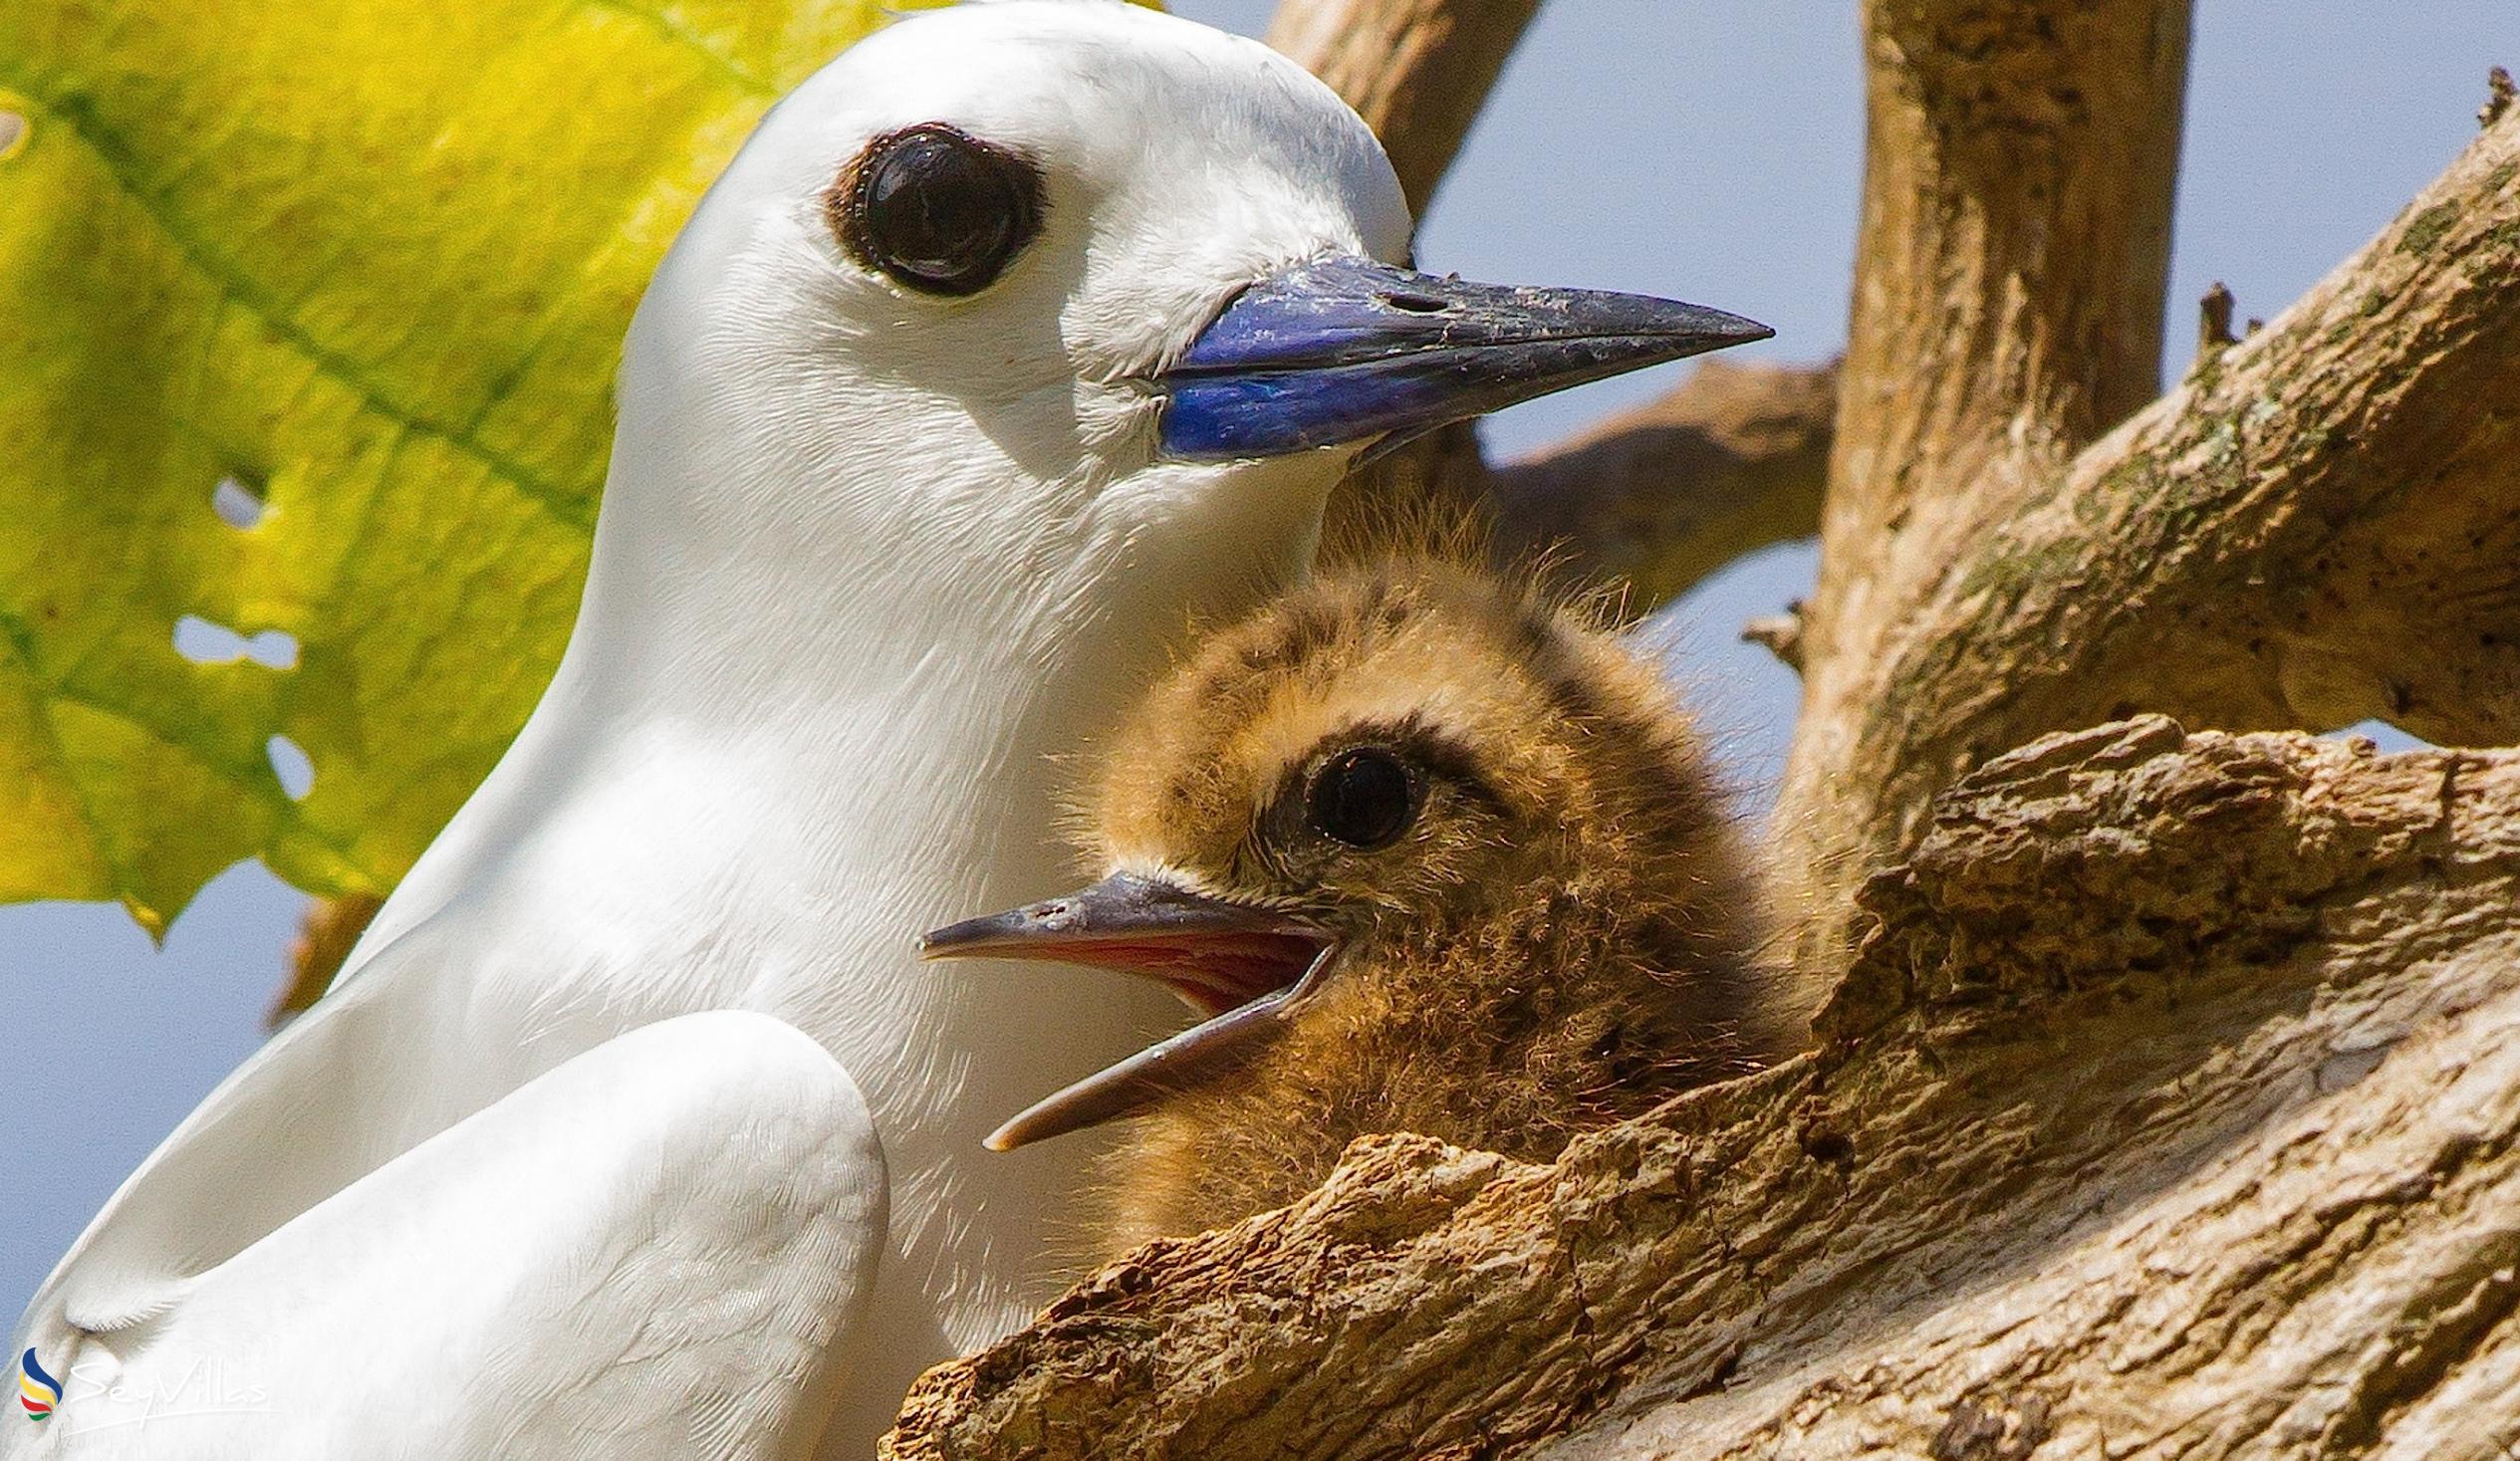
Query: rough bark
{"type": "Point", "coordinates": [2020, 164]}
{"type": "Point", "coordinates": [2320, 525]}
{"type": "Point", "coordinates": [2013, 251]}
{"type": "Point", "coordinates": [2170, 1108]}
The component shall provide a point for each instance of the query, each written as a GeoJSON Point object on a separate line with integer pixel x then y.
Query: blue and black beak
{"type": "Point", "coordinates": [1345, 349]}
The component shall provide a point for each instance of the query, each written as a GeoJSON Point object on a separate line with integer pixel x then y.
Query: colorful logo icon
{"type": "Point", "coordinates": [37, 1392]}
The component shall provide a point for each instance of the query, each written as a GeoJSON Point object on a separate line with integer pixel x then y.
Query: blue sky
{"type": "Point", "coordinates": [1709, 152]}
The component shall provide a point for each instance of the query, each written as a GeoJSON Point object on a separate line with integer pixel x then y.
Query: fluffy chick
{"type": "Point", "coordinates": [1435, 856]}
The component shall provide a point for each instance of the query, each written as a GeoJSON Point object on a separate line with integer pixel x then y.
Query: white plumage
{"type": "Point", "coordinates": [865, 567]}
{"type": "Point", "coordinates": [872, 559]}
{"type": "Point", "coordinates": [575, 1269]}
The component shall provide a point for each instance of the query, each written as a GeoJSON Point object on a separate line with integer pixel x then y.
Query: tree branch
{"type": "Point", "coordinates": [1418, 71]}
{"type": "Point", "coordinates": [2014, 249]}
{"type": "Point", "coordinates": [2320, 525]}
{"type": "Point", "coordinates": [1730, 462]}
{"type": "Point", "coordinates": [2020, 164]}
{"type": "Point", "coordinates": [2076, 1160]}
{"type": "Point", "coordinates": [326, 935]}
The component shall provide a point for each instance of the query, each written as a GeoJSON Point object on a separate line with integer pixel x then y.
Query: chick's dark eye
{"type": "Point", "coordinates": [941, 213]}
{"type": "Point", "coordinates": [1363, 797]}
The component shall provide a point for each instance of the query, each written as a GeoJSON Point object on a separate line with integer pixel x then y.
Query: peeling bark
{"type": "Point", "coordinates": [2170, 1106]}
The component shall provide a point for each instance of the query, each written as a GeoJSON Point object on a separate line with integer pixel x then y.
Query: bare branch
{"type": "Point", "coordinates": [2014, 250]}
{"type": "Point", "coordinates": [2213, 322]}
{"type": "Point", "coordinates": [2078, 1159]}
{"type": "Point", "coordinates": [2321, 524]}
{"type": "Point", "coordinates": [2020, 162]}
{"type": "Point", "coordinates": [332, 926]}
{"type": "Point", "coordinates": [1781, 634]}
{"type": "Point", "coordinates": [1731, 461]}
{"type": "Point", "coordinates": [1418, 71]}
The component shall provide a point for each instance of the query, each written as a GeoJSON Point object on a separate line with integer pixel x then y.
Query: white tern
{"type": "Point", "coordinates": [1014, 340]}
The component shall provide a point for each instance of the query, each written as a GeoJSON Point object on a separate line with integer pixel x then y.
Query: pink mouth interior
{"type": "Point", "coordinates": [1212, 972]}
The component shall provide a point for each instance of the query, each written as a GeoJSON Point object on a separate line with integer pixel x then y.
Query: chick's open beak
{"type": "Point", "coordinates": [1243, 967]}
{"type": "Point", "coordinates": [1342, 349]}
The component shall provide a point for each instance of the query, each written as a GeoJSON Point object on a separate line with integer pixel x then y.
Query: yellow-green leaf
{"type": "Point", "coordinates": [368, 262]}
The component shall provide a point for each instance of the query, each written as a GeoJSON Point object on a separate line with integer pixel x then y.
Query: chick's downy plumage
{"type": "Point", "coordinates": [1539, 915]}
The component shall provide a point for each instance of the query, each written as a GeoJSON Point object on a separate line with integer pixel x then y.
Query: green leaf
{"type": "Point", "coordinates": [370, 261]}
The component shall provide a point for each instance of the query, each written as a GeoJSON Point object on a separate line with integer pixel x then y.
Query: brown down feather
{"type": "Point", "coordinates": [1565, 936]}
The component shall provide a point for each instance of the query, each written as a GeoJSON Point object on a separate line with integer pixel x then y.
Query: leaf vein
{"type": "Point", "coordinates": [691, 40]}
{"type": "Point", "coordinates": [574, 509]}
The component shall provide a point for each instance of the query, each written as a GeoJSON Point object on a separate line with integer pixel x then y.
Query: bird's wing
{"type": "Point", "coordinates": [657, 1249]}
{"type": "Point", "coordinates": [372, 1070]}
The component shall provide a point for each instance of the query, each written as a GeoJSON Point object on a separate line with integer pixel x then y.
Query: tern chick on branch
{"type": "Point", "coordinates": [1429, 855]}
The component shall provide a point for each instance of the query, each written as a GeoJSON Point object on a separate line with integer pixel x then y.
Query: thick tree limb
{"type": "Point", "coordinates": [2321, 524]}
{"type": "Point", "coordinates": [1418, 71]}
{"type": "Point", "coordinates": [2014, 249]}
{"type": "Point", "coordinates": [2171, 1106]}
{"type": "Point", "coordinates": [1730, 462]}
{"type": "Point", "coordinates": [2020, 164]}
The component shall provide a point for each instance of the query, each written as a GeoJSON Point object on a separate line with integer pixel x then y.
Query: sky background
{"type": "Point", "coordinates": [1708, 151]}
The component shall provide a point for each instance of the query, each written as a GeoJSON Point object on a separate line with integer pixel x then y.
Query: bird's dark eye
{"type": "Point", "coordinates": [939, 211]}
{"type": "Point", "coordinates": [1364, 797]}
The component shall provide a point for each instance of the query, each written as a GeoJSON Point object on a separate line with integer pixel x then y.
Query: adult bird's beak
{"type": "Point", "coordinates": [1345, 350]}
{"type": "Point", "coordinates": [1244, 967]}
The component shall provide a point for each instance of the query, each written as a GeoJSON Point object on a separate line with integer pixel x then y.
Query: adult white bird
{"type": "Point", "coordinates": [1012, 340]}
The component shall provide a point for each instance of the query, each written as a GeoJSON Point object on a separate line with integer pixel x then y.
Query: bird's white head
{"type": "Point", "coordinates": [934, 300]}
{"type": "Point", "coordinates": [1009, 281]}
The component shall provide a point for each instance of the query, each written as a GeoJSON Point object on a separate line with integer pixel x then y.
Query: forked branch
{"type": "Point", "coordinates": [2319, 526]}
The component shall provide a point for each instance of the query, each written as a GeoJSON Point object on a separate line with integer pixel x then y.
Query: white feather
{"type": "Point", "coordinates": [648, 1251]}
{"type": "Point", "coordinates": [868, 563]}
